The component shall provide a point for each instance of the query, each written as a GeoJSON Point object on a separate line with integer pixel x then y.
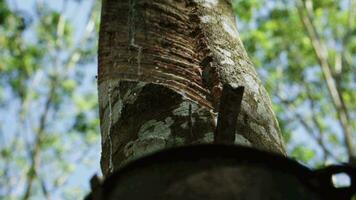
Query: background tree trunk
{"type": "Point", "coordinates": [161, 68]}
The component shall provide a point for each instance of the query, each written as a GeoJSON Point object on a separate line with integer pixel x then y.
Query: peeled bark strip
{"type": "Point", "coordinates": [162, 64]}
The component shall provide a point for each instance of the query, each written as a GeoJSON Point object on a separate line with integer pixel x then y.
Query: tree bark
{"type": "Point", "coordinates": [162, 64]}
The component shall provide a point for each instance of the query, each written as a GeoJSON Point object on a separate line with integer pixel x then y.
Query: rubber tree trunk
{"type": "Point", "coordinates": [162, 64]}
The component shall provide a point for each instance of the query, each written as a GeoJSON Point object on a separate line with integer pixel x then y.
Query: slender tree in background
{"type": "Point", "coordinates": [331, 77]}
{"type": "Point", "coordinates": [162, 65]}
{"type": "Point", "coordinates": [307, 45]}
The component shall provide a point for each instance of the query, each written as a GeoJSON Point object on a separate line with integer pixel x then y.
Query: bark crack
{"type": "Point", "coordinates": [111, 164]}
{"type": "Point", "coordinates": [132, 32]}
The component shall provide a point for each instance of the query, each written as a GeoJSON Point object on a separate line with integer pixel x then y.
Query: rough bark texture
{"type": "Point", "coordinates": [162, 64]}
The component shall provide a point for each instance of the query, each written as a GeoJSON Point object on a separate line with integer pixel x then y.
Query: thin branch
{"type": "Point", "coordinates": [24, 103]}
{"type": "Point", "coordinates": [322, 55]}
{"type": "Point", "coordinates": [341, 58]}
{"type": "Point", "coordinates": [319, 135]}
{"type": "Point", "coordinates": [44, 189]}
{"type": "Point", "coordinates": [35, 157]}
{"type": "Point", "coordinates": [350, 21]}
{"type": "Point", "coordinates": [309, 129]}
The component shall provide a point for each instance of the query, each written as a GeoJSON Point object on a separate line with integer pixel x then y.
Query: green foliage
{"type": "Point", "coordinates": [245, 9]}
{"type": "Point", "coordinates": [48, 92]}
{"type": "Point", "coordinates": [302, 153]}
{"type": "Point", "coordinates": [53, 27]}
{"type": "Point", "coordinates": [44, 92]}
{"type": "Point", "coordinates": [275, 36]}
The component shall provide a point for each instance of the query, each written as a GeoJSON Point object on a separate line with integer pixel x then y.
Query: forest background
{"type": "Point", "coordinates": [304, 51]}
